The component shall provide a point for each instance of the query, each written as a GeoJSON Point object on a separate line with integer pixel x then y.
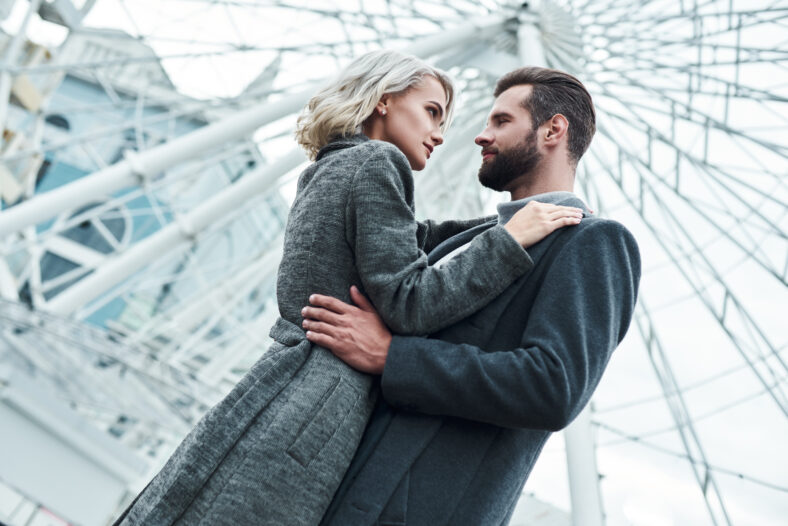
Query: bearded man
{"type": "Point", "coordinates": [464, 413]}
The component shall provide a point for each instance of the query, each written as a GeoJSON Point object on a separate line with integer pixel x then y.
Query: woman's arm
{"type": "Point", "coordinates": [412, 297]}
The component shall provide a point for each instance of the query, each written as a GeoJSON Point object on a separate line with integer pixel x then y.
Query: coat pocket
{"type": "Point", "coordinates": [329, 413]}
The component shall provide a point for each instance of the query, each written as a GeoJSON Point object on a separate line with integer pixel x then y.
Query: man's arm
{"type": "Point", "coordinates": [581, 314]}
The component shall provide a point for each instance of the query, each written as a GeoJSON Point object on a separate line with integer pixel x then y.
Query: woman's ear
{"type": "Point", "coordinates": [382, 106]}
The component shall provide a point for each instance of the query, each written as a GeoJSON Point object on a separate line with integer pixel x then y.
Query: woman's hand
{"type": "Point", "coordinates": [536, 220]}
{"type": "Point", "coordinates": [356, 335]}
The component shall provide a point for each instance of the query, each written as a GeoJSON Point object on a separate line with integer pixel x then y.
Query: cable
{"type": "Point", "coordinates": [718, 469]}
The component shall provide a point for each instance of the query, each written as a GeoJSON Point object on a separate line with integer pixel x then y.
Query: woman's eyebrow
{"type": "Point", "coordinates": [438, 104]}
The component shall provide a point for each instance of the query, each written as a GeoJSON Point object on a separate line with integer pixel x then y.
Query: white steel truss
{"type": "Point", "coordinates": [145, 170]}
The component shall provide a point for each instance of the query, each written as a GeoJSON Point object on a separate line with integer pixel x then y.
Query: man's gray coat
{"type": "Point", "coordinates": [498, 383]}
{"type": "Point", "coordinates": [274, 450]}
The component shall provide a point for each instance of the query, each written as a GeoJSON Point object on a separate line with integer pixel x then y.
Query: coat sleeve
{"type": "Point", "coordinates": [580, 314]}
{"type": "Point", "coordinates": [431, 233]}
{"type": "Point", "coordinates": [412, 297]}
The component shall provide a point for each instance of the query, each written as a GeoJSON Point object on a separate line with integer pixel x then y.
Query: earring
{"type": "Point", "coordinates": [382, 112]}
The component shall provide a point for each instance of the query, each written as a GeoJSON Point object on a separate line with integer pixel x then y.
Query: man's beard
{"type": "Point", "coordinates": [508, 165]}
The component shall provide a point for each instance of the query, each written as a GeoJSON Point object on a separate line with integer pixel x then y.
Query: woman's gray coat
{"type": "Point", "coordinates": [274, 451]}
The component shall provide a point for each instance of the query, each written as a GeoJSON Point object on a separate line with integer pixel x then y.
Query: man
{"type": "Point", "coordinates": [464, 413]}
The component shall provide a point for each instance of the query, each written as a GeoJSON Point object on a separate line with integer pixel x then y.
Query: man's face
{"type": "Point", "coordinates": [510, 149]}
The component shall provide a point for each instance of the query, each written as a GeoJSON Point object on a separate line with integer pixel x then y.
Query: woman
{"type": "Point", "coordinates": [275, 449]}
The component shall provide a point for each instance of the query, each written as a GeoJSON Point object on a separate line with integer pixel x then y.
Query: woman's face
{"type": "Point", "coordinates": [411, 120]}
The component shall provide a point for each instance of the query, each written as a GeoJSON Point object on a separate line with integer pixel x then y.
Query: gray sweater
{"type": "Point", "coordinates": [274, 450]}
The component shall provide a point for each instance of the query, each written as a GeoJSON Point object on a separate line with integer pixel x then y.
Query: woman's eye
{"type": "Point", "coordinates": [433, 112]}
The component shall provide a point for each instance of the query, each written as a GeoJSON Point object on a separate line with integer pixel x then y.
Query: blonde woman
{"type": "Point", "coordinates": [274, 451]}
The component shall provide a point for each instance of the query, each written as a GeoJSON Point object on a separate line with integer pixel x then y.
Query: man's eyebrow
{"type": "Point", "coordinates": [500, 114]}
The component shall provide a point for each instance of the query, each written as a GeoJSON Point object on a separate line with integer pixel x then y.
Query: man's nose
{"type": "Point", "coordinates": [483, 139]}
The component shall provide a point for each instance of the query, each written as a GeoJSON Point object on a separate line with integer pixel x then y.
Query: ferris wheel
{"type": "Point", "coordinates": [148, 161]}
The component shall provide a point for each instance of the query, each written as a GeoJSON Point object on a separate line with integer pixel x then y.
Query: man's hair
{"type": "Point", "coordinates": [556, 92]}
{"type": "Point", "coordinates": [340, 107]}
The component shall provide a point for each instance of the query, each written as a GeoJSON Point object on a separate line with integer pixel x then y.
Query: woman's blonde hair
{"type": "Point", "coordinates": [341, 107]}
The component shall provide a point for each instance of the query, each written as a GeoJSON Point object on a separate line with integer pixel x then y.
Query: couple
{"type": "Point", "coordinates": [503, 325]}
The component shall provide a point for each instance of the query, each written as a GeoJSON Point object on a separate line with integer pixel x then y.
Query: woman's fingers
{"type": "Point", "coordinates": [560, 222]}
{"type": "Point", "coordinates": [555, 214]}
{"type": "Point", "coordinates": [565, 221]}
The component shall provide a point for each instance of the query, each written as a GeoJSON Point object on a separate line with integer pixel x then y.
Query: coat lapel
{"type": "Point", "coordinates": [406, 437]}
{"type": "Point", "coordinates": [457, 241]}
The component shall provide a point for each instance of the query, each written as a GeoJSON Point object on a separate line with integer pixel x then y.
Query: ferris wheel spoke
{"type": "Point", "coordinates": [644, 166]}
{"type": "Point", "coordinates": [759, 363]}
{"type": "Point", "coordinates": [641, 124]}
{"type": "Point", "coordinates": [728, 405]}
{"type": "Point", "coordinates": [157, 209]}
{"type": "Point", "coordinates": [736, 20]}
{"type": "Point", "coordinates": [84, 342]}
{"type": "Point", "coordinates": [631, 438]}
{"type": "Point", "coordinates": [704, 161]}
{"type": "Point", "coordinates": [681, 415]}
{"type": "Point", "coordinates": [685, 388]}
{"type": "Point", "coordinates": [752, 344]}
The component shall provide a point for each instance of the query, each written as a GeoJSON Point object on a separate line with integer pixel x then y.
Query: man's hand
{"type": "Point", "coordinates": [356, 335]}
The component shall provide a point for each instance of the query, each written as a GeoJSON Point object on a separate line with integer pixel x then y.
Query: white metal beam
{"type": "Point", "coordinates": [148, 164]}
{"type": "Point", "coordinates": [583, 473]}
{"type": "Point", "coordinates": [173, 236]}
{"type": "Point", "coordinates": [9, 60]}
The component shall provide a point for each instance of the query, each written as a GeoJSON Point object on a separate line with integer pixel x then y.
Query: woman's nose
{"type": "Point", "coordinates": [437, 137]}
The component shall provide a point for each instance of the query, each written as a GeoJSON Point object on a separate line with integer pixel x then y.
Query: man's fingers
{"type": "Point", "coordinates": [323, 340]}
{"type": "Point", "coordinates": [329, 302]}
{"type": "Point", "coordinates": [320, 327]}
{"type": "Point", "coordinates": [360, 300]}
{"type": "Point", "coordinates": [321, 314]}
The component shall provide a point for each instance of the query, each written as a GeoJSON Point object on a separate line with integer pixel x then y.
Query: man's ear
{"type": "Point", "coordinates": [556, 129]}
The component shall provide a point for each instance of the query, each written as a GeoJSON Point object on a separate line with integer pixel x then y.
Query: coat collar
{"type": "Point", "coordinates": [341, 143]}
{"type": "Point", "coordinates": [505, 212]}
{"type": "Point", "coordinates": [507, 209]}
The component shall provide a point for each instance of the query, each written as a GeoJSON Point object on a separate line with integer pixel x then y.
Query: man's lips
{"type": "Point", "coordinates": [486, 154]}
